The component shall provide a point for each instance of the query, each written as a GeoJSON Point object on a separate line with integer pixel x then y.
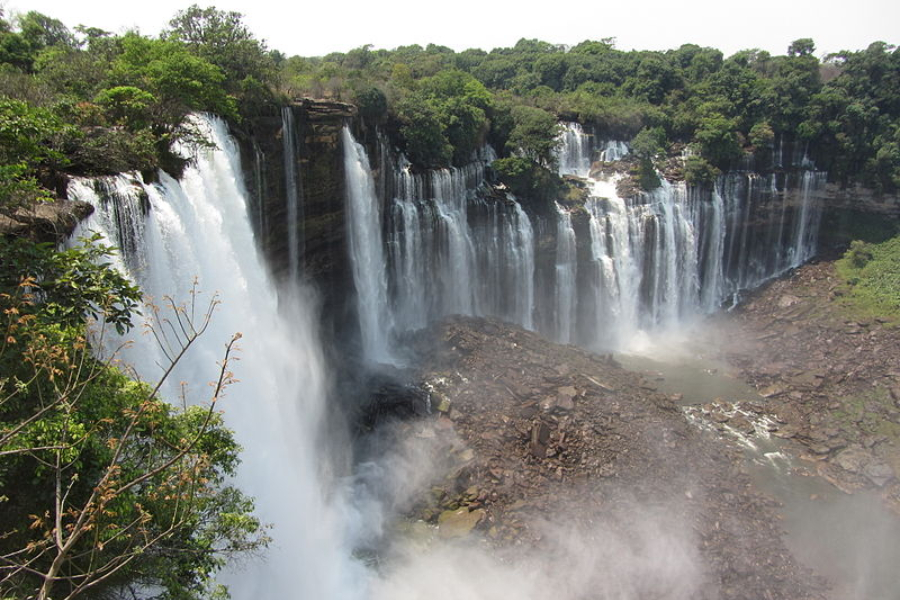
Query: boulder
{"type": "Point", "coordinates": [458, 523]}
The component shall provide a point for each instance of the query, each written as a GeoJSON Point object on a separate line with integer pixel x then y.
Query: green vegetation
{"type": "Point", "coordinates": [872, 272]}
{"type": "Point", "coordinates": [90, 103]}
{"type": "Point", "coordinates": [844, 109]}
{"type": "Point", "coordinates": [115, 103]}
{"type": "Point", "coordinates": [103, 485]}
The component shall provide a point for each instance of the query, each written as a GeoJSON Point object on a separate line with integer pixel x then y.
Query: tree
{"type": "Point", "coordinates": [104, 486]}
{"type": "Point", "coordinates": [41, 31]}
{"type": "Point", "coordinates": [802, 47]}
{"type": "Point", "coordinates": [222, 38]}
{"type": "Point", "coordinates": [29, 138]}
{"type": "Point", "coordinates": [535, 134]}
{"type": "Point", "coordinates": [647, 146]}
{"type": "Point", "coordinates": [718, 139]}
{"type": "Point", "coordinates": [423, 132]}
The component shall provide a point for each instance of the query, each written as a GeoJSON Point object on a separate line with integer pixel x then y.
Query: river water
{"type": "Point", "coordinates": [850, 539]}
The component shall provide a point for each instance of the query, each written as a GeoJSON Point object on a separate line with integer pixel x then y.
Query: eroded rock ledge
{"type": "Point", "coordinates": [50, 222]}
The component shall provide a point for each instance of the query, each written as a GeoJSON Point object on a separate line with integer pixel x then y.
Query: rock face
{"type": "Point", "coordinates": [319, 225]}
{"type": "Point", "coordinates": [544, 433]}
{"type": "Point", "coordinates": [45, 222]}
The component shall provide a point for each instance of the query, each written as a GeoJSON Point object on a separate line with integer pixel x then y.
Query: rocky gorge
{"type": "Point", "coordinates": [534, 449]}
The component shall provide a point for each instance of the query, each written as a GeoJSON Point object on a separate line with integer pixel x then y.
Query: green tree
{"type": "Point", "coordinates": [222, 38]}
{"type": "Point", "coordinates": [29, 141]}
{"type": "Point", "coordinates": [102, 484]}
{"type": "Point", "coordinates": [534, 135]}
{"type": "Point", "coordinates": [41, 31]}
{"type": "Point", "coordinates": [718, 140]}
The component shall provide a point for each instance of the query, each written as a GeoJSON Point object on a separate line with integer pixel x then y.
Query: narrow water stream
{"type": "Point", "coordinates": [850, 539]}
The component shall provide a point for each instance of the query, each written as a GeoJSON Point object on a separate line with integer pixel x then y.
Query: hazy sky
{"type": "Point", "coordinates": [315, 28]}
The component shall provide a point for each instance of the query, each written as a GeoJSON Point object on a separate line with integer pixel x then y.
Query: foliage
{"type": "Point", "coordinates": [104, 486]}
{"type": "Point", "coordinates": [873, 273]}
{"type": "Point", "coordinates": [718, 140]}
{"type": "Point", "coordinates": [649, 143]}
{"type": "Point", "coordinates": [445, 119]}
{"type": "Point", "coordinates": [534, 135]}
{"type": "Point", "coordinates": [68, 285]}
{"type": "Point", "coordinates": [222, 39]}
{"type": "Point", "coordinates": [29, 137]}
{"type": "Point", "coordinates": [697, 170]}
{"type": "Point", "coordinates": [527, 179]}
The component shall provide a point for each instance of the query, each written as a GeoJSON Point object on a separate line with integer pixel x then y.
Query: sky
{"type": "Point", "coordinates": [316, 28]}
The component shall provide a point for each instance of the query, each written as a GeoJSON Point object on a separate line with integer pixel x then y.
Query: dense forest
{"type": "Point", "coordinates": [97, 470]}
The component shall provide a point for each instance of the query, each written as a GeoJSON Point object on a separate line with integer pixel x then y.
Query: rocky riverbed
{"type": "Point", "coordinates": [830, 382]}
{"type": "Point", "coordinates": [530, 439]}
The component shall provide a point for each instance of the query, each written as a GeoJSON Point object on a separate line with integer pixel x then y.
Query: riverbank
{"type": "Point", "coordinates": [830, 380]}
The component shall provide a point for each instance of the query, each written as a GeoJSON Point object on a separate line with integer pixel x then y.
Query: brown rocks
{"type": "Point", "coordinates": [46, 222]}
{"type": "Point", "coordinates": [556, 433]}
{"type": "Point", "coordinates": [831, 379]}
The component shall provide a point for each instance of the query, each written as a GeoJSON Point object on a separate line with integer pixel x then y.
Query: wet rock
{"type": "Point", "coordinates": [787, 301]}
{"type": "Point", "coordinates": [742, 425]}
{"type": "Point", "coordinates": [459, 523]}
{"type": "Point", "coordinates": [771, 391]}
{"type": "Point", "coordinates": [441, 403]}
{"type": "Point", "coordinates": [853, 459]}
{"type": "Point", "coordinates": [540, 435]}
{"type": "Point", "coordinates": [878, 472]}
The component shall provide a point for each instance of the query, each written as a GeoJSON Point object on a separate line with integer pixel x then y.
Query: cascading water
{"type": "Point", "coordinates": [292, 192]}
{"type": "Point", "coordinates": [367, 252]}
{"type": "Point", "coordinates": [454, 252]}
{"type": "Point", "coordinates": [613, 150]}
{"type": "Point", "coordinates": [660, 256]}
{"type": "Point", "coordinates": [576, 149]}
{"type": "Point", "coordinates": [454, 247]}
{"type": "Point", "coordinates": [566, 282]}
{"type": "Point", "coordinates": [199, 227]}
{"type": "Point", "coordinates": [573, 152]}
{"type": "Point", "coordinates": [505, 240]}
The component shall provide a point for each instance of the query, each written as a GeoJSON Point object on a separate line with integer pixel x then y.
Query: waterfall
{"type": "Point", "coordinates": [661, 256]}
{"type": "Point", "coordinates": [566, 277]}
{"type": "Point", "coordinates": [367, 252]}
{"type": "Point", "coordinates": [806, 234]}
{"type": "Point", "coordinates": [506, 282]}
{"type": "Point", "coordinates": [573, 151]}
{"type": "Point", "coordinates": [613, 150]}
{"type": "Point", "coordinates": [199, 227]}
{"type": "Point", "coordinates": [292, 191]}
{"type": "Point", "coordinates": [454, 251]}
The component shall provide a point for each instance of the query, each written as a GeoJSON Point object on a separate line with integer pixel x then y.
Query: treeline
{"type": "Point", "coordinates": [843, 109]}
{"type": "Point", "coordinates": [91, 103]}
{"type": "Point", "coordinates": [95, 103]}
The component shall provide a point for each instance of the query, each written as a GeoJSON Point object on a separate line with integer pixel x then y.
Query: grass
{"type": "Point", "coordinates": [872, 273]}
{"type": "Point", "coordinates": [854, 415]}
